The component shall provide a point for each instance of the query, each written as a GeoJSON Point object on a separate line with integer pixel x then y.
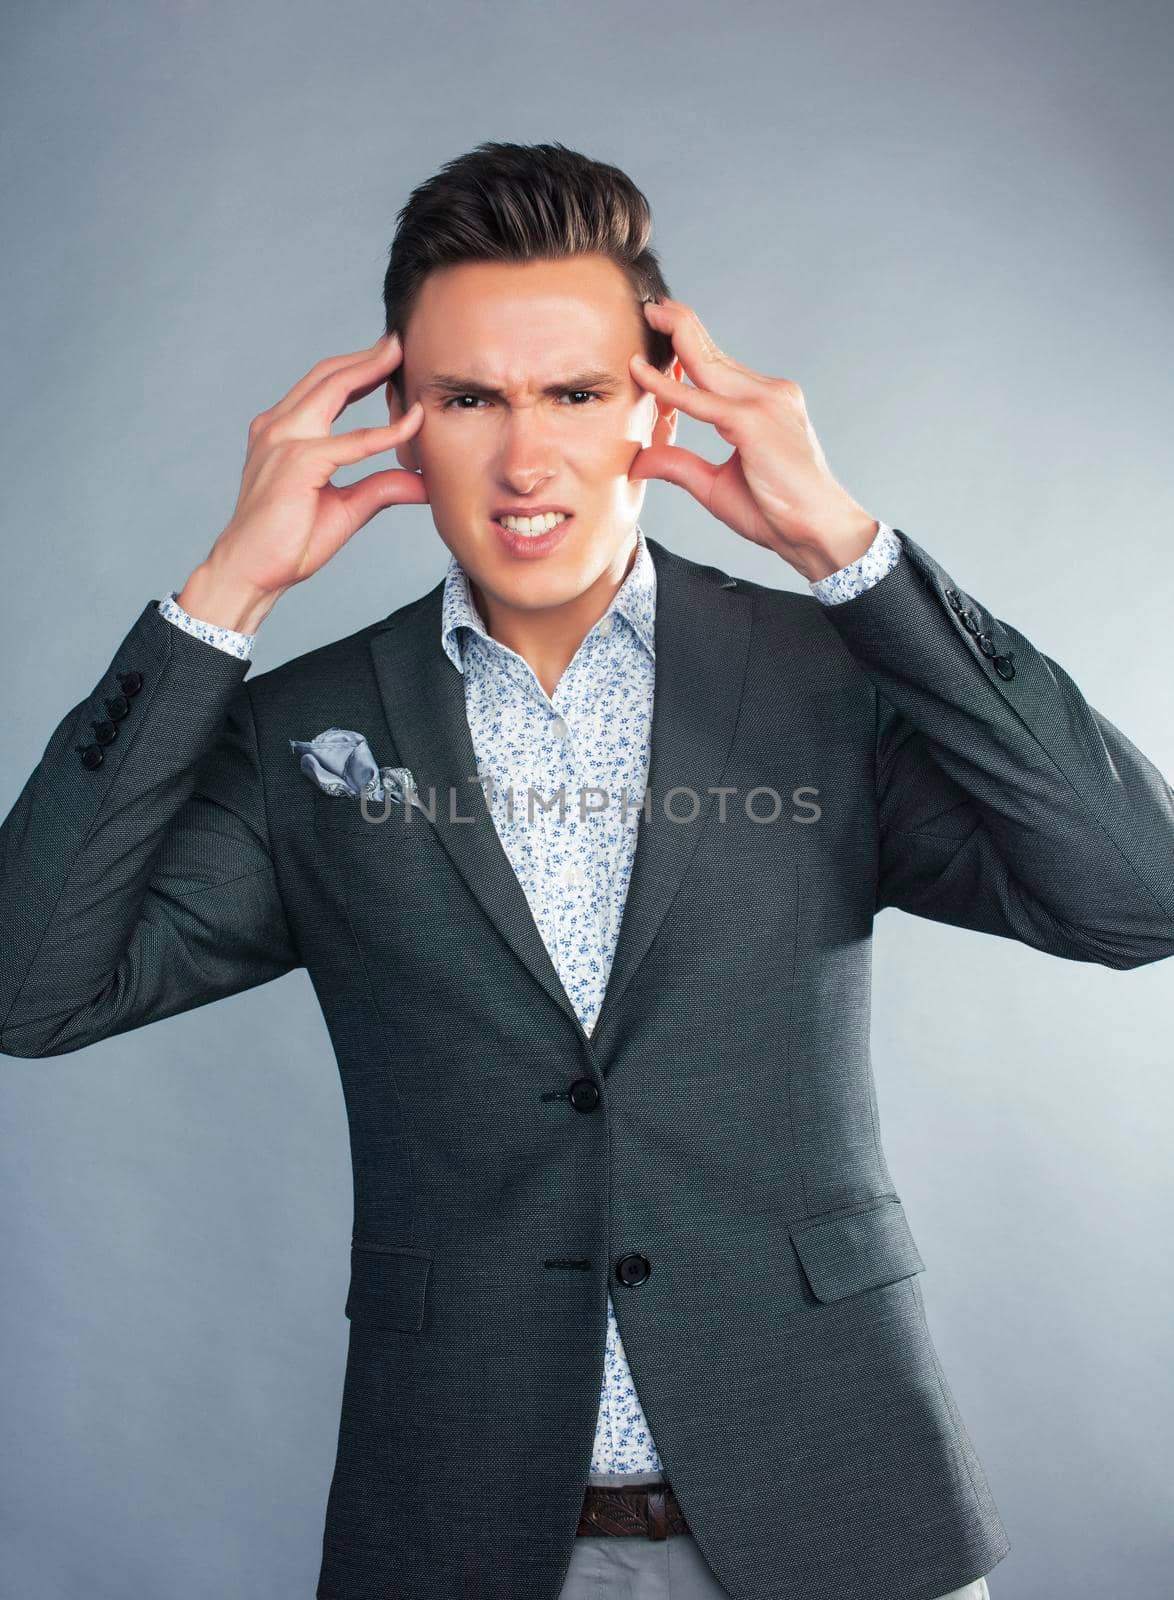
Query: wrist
{"type": "Point", "coordinates": [216, 597]}
{"type": "Point", "coordinates": [831, 551]}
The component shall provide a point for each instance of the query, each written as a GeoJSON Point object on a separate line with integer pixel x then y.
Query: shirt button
{"type": "Point", "coordinates": [559, 728]}
{"type": "Point", "coordinates": [605, 623]}
{"type": "Point", "coordinates": [573, 876]}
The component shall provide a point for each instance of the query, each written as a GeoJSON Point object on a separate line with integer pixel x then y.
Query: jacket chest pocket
{"type": "Point", "coordinates": [397, 888]}
{"type": "Point", "coordinates": [356, 846]}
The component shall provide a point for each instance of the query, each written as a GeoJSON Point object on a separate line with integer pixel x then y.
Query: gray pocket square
{"type": "Point", "coordinates": [340, 762]}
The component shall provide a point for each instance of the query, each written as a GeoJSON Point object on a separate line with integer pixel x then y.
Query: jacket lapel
{"type": "Point", "coordinates": [702, 635]}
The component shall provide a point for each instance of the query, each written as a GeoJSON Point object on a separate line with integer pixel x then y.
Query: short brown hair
{"type": "Point", "coordinates": [522, 202]}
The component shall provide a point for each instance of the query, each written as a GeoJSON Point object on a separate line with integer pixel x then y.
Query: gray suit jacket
{"type": "Point", "coordinates": [711, 1151]}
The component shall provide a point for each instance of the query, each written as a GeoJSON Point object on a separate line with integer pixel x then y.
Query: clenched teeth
{"type": "Point", "coordinates": [542, 524]}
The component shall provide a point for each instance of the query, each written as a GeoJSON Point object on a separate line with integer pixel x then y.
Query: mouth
{"type": "Point", "coordinates": [531, 537]}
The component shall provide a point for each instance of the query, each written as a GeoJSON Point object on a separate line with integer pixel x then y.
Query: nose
{"type": "Point", "coordinates": [527, 455]}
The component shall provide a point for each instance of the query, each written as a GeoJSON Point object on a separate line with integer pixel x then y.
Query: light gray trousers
{"type": "Point", "coordinates": [622, 1567]}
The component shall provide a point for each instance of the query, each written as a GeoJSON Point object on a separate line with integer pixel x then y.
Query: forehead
{"type": "Point", "coordinates": [504, 320]}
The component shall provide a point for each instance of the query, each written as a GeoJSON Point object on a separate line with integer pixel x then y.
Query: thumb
{"type": "Point", "coordinates": [675, 465]}
{"type": "Point", "coordinates": [369, 495]}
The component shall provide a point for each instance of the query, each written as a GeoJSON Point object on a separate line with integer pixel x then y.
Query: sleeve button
{"type": "Point", "coordinates": [91, 755]}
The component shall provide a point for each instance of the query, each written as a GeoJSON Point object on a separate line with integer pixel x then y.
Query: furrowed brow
{"type": "Point", "coordinates": [454, 383]}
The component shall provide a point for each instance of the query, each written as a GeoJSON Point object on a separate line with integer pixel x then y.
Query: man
{"type": "Point", "coordinates": [634, 1305]}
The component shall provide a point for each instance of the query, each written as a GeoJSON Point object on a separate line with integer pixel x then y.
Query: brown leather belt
{"type": "Point", "coordinates": [648, 1509]}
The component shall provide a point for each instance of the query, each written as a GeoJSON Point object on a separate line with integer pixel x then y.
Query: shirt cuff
{"type": "Point", "coordinates": [237, 644]}
{"type": "Point", "coordinates": [880, 558]}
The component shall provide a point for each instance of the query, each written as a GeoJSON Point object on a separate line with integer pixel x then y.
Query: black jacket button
{"type": "Point", "coordinates": [986, 644]}
{"type": "Point", "coordinates": [118, 707]}
{"type": "Point", "coordinates": [584, 1094]}
{"type": "Point", "coordinates": [131, 682]}
{"type": "Point", "coordinates": [633, 1269]}
{"type": "Point", "coordinates": [953, 600]}
{"type": "Point", "coordinates": [104, 732]}
{"type": "Point", "coordinates": [1004, 666]}
{"type": "Point", "coordinates": [969, 621]}
{"type": "Point", "coordinates": [91, 755]}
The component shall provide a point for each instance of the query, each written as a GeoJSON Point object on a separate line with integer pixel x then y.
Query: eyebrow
{"type": "Point", "coordinates": [454, 383]}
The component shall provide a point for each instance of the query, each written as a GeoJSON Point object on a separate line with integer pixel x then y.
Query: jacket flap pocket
{"type": "Point", "coordinates": [388, 1286]}
{"type": "Point", "coordinates": [852, 1251]}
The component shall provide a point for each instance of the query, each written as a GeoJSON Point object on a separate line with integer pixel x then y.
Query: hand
{"type": "Point", "coordinates": [289, 518]}
{"type": "Point", "coordinates": [776, 489]}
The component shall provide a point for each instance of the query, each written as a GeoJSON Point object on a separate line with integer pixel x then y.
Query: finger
{"type": "Point", "coordinates": [701, 403]}
{"type": "Point", "coordinates": [343, 449]}
{"type": "Point", "coordinates": [672, 464]}
{"type": "Point", "coordinates": [704, 364]}
{"type": "Point", "coordinates": [383, 349]}
{"type": "Point", "coordinates": [340, 389]}
{"type": "Point", "coordinates": [395, 487]}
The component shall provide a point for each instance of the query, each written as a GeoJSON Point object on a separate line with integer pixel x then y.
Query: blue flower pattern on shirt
{"type": "Point", "coordinates": [237, 644]}
{"type": "Point", "coordinates": [880, 558]}
{"type": "Point", "coordinates": [574, 858]}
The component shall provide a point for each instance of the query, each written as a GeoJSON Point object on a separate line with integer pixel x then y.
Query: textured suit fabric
{"type": "Point", "coordinates": [590, 738]}
{"type": "Point", "coordinates": [778, 1337]}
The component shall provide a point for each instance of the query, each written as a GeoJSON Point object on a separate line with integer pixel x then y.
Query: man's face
{"type": "Point", "coordinates": [566, 420]}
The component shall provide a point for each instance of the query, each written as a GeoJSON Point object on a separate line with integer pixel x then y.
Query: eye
{"type": "Point", "coordinates": [451, 404]}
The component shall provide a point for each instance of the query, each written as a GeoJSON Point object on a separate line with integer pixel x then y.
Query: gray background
{"type": "Point", "coordinates": [951, 225]}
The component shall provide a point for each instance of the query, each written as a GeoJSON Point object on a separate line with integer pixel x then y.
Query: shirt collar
{"type": "Point", "coordinates": [635, 600]}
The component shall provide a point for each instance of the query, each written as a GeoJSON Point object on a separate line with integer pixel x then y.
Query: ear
{"type": "Point", "coordinates": [664, 429]}
{"type": "Point", "coordinates": [405, 453]}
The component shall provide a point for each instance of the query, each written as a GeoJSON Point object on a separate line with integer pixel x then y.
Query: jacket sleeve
{"type": "Point", "coordinates": [1007, 804]}
{"type": "Point", "coordinates": [136, 879]}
